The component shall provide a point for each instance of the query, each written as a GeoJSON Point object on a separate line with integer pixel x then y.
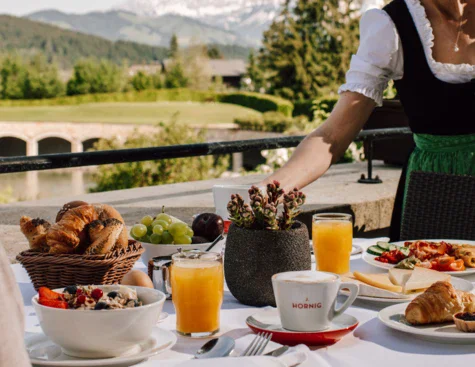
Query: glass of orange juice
{"type": "Point", "coordinates": [197, 281]}
{"type": "Point", "coordinates": [332, 235]}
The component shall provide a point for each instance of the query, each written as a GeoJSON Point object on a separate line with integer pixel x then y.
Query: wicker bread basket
{"type": "Point", "coordinates": [60, 270]}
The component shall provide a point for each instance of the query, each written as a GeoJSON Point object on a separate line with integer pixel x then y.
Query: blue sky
{"type": "Point", "coordinates": [22, 7]}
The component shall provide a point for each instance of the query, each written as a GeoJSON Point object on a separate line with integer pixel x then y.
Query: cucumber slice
{"type": "Point", "coordinates": [405, 250]}
{"type": "Point", "coordinates": [383, 245]}
{"type": "Point", "coordinates": [375, 250]}
{"type": "Point", "coordinates": [393, 247]}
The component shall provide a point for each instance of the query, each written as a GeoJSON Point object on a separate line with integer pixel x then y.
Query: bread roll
{"type": "Point", "coordinates": [105, 212]}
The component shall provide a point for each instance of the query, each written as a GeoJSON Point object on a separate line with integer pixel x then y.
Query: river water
{"type": "Point", "coordinates": [36, 185]}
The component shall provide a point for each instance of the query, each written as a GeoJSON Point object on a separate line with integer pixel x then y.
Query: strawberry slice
{"type": "Point", "coordinates": [53, 303]}
{"type": "Point", "coordinates": [46, 293]}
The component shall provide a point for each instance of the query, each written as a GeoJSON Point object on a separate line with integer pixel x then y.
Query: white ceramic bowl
{"type": "Point", "coordinates": [105, 333]}
{"type": "Point", "coordinates": [152, 250]}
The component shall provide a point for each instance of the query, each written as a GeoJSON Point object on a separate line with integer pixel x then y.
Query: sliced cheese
{"type": "Point", "coordinates": [399, 276]}
{"type": "Point", "coordinates": [367, 290]}
{"type": "Point", "coordinates": [423, 278]}
{"type": "Point", "coordinates": [378, 280]}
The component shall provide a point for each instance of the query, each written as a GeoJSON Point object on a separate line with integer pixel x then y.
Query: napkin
{"type": "Point", "coordinates": [300, 356]}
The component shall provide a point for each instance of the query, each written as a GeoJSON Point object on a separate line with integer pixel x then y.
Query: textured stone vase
{"type": "Point", "coordinates": [253, 256]}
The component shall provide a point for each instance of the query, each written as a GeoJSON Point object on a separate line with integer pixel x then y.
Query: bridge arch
{"type": "Point", "coordinates": [12, 146]}
{"type": "Point", "coordinates": [89, 143]}
{"type": "Point", "coordinates": [54, 144]}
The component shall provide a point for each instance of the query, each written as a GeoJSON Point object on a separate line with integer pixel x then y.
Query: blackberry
{"type": "Point", "coordinates": [72, 289]}
{"type": "Point", "coordinates": [112, 294]}
{"type": "Point", "coordinates": [100, 306]}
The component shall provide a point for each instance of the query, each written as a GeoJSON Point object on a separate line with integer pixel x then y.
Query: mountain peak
{"type": "Point", "coordinates": [194, 8]}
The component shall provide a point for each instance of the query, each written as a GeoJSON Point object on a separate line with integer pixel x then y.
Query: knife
{"type": "Point", "coordinates": [278, 352]}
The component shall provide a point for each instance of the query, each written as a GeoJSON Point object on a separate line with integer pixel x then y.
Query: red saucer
{"type": "Point", "coordinates": [269, 321]}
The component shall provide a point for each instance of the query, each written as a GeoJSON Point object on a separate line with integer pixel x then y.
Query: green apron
{"type": "Point", "coordinates": [442, 154]}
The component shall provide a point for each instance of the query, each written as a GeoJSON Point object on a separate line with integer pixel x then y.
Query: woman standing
{"type": "Point", "coordinates": [428, 48]}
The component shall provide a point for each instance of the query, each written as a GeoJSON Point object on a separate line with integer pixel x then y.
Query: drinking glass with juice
{"type": "Point", "coordinates": [197, 281]}
{"type": "Point", "coordinates": [332, 235]}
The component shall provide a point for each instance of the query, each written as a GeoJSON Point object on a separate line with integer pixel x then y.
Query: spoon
{"type": "Point", "coordinates": [216, 348]}
{"type": "Point", "coordinates": [219, 238]}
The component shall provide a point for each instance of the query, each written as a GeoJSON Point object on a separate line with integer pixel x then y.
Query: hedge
{"type": "Point", "coordinates": [152, 95]}
{"type": "Point", "coordinates": [304, 107]}
{"type": "Point", "coordinates": [256, 101]}
{"type": "Point", "coordinates": [259, 102]}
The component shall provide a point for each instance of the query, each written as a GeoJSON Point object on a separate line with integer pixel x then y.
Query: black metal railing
{"type": "Point", "coordinates": [94, 158]}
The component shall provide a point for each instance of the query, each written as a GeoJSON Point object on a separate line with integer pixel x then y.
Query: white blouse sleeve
{"type": "Point", "coordinates": [379, 57]}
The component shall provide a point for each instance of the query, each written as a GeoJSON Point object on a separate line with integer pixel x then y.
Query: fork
{"type": "Point", "coordinates": [258, 345]}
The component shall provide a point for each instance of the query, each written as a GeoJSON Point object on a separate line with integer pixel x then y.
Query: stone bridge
{"type": "Point", "coordinates": [34, 138]}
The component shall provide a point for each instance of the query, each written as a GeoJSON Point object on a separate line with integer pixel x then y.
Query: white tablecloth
{"type": "Point", "coordinates": [371, 344]}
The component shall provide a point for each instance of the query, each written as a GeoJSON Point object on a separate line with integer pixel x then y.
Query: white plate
{"type": "Point", "coordinates": [393, 317]}
{"type": "Point", "coordinates": [460, 284]}
{"type": "Point", "coordinates": [370, 259]}
{"type": "Point", "coordinates": [43, 352]}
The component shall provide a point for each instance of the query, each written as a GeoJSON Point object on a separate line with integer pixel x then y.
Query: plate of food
{"type": "Point", "coordinates": [452, 256]}
{"type": "Point", "coordinates": [440, 314]}
{"type": "Point", "coordinates": [400, 285]}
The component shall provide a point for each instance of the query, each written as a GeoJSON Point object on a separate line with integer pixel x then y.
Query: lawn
{"type": "Point", "coordinates": [130, 112]}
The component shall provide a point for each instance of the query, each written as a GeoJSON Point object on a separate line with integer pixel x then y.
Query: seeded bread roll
{"type": "Point", "coordinates": [105, 212]}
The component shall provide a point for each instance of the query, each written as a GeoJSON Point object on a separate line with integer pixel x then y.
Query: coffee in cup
{"type": "Point", "coordinates": [307, 300]}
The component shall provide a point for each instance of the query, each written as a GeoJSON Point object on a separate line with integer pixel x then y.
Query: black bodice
{"type": "Point", "coordinates": [431, 105]}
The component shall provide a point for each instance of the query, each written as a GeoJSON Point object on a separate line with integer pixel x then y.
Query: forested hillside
{"type": "Point", "coordinates": [66, 47]}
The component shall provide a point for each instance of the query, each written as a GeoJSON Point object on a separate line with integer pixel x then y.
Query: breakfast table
{"type": "Point", "coordinates": [371, 344]}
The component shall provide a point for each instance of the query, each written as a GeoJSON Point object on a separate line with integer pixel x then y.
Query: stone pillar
{"type": "Point", "coordinates": [77, 181]}
{"type": "Point", "coordinates": [32, 185]}
{"type": "Point", "coordinates": [76, 146]}
{"type": "Point", "coordinates": [32, 147]}
{"type": "Point", "coordinates": [237, 162]}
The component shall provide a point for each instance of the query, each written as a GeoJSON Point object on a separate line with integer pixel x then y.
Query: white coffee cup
{"type": "Point", "coordinates": [307, 300]}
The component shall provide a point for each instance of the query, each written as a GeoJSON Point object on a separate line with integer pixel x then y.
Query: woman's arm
{"type": "Point", "coordinates": [326, 144]}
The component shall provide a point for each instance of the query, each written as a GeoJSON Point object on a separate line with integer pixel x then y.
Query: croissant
{"type": "Point", "coordinates": [66, 235]}
{"type": "Point", "coordinates": [438, 304]}
{"type": "Point", "coordinates": [35, 232]}
{"type": "Point", "coordinates": [103, 235]}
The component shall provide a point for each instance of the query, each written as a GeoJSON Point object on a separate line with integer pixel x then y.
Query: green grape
{"type": "Point", "coordinates": [139, 230]}
{"type": "Point", "coordinates": [133, 236]}
{"type": "Point", "coordinates": [189, 232]}
{"type": "Point", "coordinates": [149, 230]}
{"type": "Point", "coordinates": [167, 238]}
{"type": "Point", "coordinates": [155, 239]}
{"type": "Point", "coordinates": [145, 239]}
{"type": "Point", "coordinates": [158, 229]}
{"type": "Point", "coordinates": [147, 220]}
{"type": "Point", "coordinates": [165, 217]}
{"type": "Point", "coordinates": [177, 229]}
{"type": "Point", "coordinates": [183, 240]}
{"type": "Point", "coordinates": [161, 223]}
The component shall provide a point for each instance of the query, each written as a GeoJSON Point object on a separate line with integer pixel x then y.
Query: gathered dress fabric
{"type": "Point", "coordinates": [438, 99]}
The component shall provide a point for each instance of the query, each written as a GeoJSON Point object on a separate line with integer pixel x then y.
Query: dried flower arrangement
{"type": "Point", "coordinates": [262, 211]}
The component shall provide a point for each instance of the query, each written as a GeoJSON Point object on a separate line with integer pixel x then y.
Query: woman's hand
{"type": "Point", "coordinates": [326, 144]}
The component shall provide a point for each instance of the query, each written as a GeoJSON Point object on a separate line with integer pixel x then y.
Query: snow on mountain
{"type": "Point", "coordinates": [246, 18]}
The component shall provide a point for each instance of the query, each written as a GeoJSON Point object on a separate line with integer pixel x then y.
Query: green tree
{"type": "Point", "coordinates": [165, 171]}
{"type": "Point", "coordinates": [214, 52]}
{"type": "Point", "coordinates": [255, 73]}
{"type": "Point", "coordinates": [90, 76]}
{"type": "Point", "coordinates": [173, 52]}
{"type": "Point", "coordinates": [308, 47]}
{"type": "Point", "coordinates": [141, 81]}
{"type": "Point", "coordinates": [13, 75]}
{"type": "Point", "coordinates": [42, 79]}
{"type": "Point", "coordinates": [175, 77]}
